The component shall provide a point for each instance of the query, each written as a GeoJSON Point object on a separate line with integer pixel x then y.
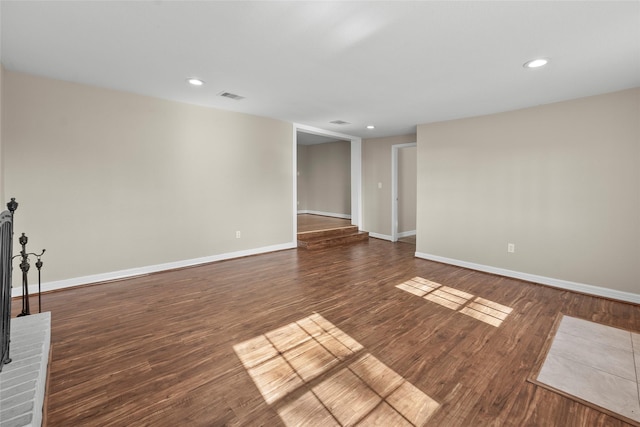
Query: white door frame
{"type": "Point", "coordinates": [356, 172]}
{"type": "Point", "coordinates": [394, 187]}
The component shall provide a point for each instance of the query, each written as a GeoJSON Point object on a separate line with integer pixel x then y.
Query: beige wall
{"type": "Point", "coordinates": [560, 181]}
{"type": "Point", "coordinates": [326, 173]}
{"type": "Point", "coordinates": [407, 183]}
{"type": "Point", "coordinates": [376, 168]}
{"type": "Point", "coordinates": [108, 181]}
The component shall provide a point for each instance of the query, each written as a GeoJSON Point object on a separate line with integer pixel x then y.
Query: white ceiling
{"type": "Point", "coordinates": [392, 64]}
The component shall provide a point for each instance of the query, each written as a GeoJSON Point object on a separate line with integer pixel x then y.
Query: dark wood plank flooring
{"type": "Point", "coordinates": [158, 350]}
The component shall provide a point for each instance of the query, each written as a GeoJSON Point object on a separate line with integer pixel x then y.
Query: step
{"type": "Point", "coordinates": [324, 241]}
{"type": "Point", "coordinates": [329, 232]}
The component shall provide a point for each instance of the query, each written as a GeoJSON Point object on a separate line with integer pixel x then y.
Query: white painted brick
{"type": "Point", "coordinates": [23, 381]}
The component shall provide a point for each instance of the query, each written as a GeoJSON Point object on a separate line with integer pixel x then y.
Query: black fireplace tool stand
{"type": "Point", "coordinates": [24, 266]}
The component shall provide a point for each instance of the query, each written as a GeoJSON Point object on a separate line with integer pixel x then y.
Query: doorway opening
{"type": "Point", "coordinates": [403, 192]}
{"type": "Point", "coordinates": [343, 145]}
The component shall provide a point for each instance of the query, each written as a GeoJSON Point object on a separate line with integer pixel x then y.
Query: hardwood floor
{"type": "Point", "coordinates": [308, 222]}
{"type": "Point", "coordinates": [159, 350]}
{"type": "Point", "coordinates": [409, 239]}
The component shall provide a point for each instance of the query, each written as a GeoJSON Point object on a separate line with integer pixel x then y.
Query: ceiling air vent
{"type": "Point", "coordinates": [339, 122]}
{"type": "Point", "coordinates": [231, 96]}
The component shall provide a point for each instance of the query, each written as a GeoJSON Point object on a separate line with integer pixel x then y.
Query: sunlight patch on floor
{"type": "Point", "coordinates": [315, 374]}
{"type": "Point", "coordinates": [479, 308]}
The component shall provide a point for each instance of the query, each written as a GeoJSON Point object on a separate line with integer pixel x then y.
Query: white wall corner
{"type": "Point", "coordinates": [356, 182]}
{"type": "Point", "coordinates": [294, 171]}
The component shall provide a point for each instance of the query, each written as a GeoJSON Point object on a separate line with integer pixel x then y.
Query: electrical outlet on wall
{"type": "Point", "coordinates": [511, 247]}
{"type": "Point", "coordinates": [238, 234]}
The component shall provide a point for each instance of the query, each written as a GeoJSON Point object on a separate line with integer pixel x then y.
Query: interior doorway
{"type": "Point", "coordinates": [355, 169]}
{"type": "Point", "coordinates": [403, 191]}
{"type": "Point", "coordinates": [323, 176]}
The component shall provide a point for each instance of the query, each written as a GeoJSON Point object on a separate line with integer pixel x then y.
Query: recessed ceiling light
{"type": "Point", "coordinates": [535, 63]}
{"type": "Point", "coordinates": [371, 127]}
{"type": "Point", "coordinates": [195, 82]}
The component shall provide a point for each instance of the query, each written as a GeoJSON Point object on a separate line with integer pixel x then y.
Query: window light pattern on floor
{"type": "Point", "coordinates": [479, 308]}
{"type": "Point", "coordinates": [312, 373]}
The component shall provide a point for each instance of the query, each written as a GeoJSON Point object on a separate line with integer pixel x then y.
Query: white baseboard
{"type": "Point", "coordinates": [549, 281]}
{"type": "Point", "coordinates": [331, 214]}
{"type": "Point", "coordinates": [389, 238]}
{"type": "Point", "coordinates": [16, 291]}
{"type": "Point", "coordinates": [407, 233]}
{"type": "Point", "coordinates": [380, 236]}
